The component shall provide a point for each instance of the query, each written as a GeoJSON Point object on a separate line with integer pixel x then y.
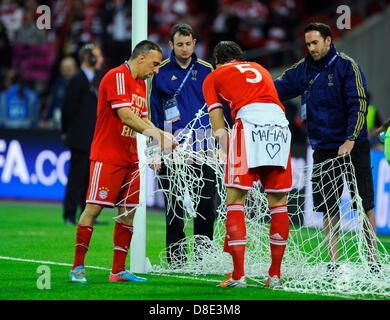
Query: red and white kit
{"type": "Point", "coordinates": [248, 86]}
{"type": "Point", "coordinates": [114, 179]}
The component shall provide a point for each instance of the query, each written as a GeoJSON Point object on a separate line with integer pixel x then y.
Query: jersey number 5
{"type": "Point", "coordinates": [247, 67]}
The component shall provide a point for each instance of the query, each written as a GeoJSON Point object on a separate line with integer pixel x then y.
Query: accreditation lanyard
{"type": "Point", "coordinates": [183, 82]}
{"type": "Point", "coordinates": [303, 102]}
{"type": "Point", "coordinates": [171, 107]}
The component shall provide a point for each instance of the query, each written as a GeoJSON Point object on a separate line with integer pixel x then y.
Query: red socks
{"type": "Point", "coordinates": [122, 238]}
{"type": "Point", "coordinates": [235, 240]}
{"type": "Point", "coordinates": [278, 235]}
{"type": "Point", "coordinates": [83, 236]}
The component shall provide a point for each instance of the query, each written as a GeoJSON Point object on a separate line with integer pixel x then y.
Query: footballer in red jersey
{"type": "Point", "coordinates": [258, 149]}
{"type": "Point", "coordinates": [114, 177]}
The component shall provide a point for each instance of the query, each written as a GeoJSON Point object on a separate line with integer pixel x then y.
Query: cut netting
{"type": "Point", "coordinates": [305, 266]}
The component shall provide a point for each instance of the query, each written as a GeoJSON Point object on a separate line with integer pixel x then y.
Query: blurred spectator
{"type": "Point", "coordinates": [31, 5]}
{"type": "Point", "coordinates": [6, 77]}
{"type": "Point", "coordinates": [374, 121]}
{"type": "Point", "coordinates": [169, 12]}
{"type": "Point", "coordinates": [115, 18]}
{"type": "Point", "coordinates": [52, 117]}
{"type": "Point", "coordinates": [29, 33]}
{"type": "Point", "coordinates": [164, 14]}
{"type": "Point", "coordinates": [223, 28]}
{"type": "Point", "coordinates": [11, 15]}
{"type": "Point", "coordinates": [76, 28]}
{"type": "Point", "coordinates": [79, 111]}
{"type": "Point", "coordinates": [255, 24]}
{"type": "Point", "coordinates": [5, 49]}
{"type": "Point", "coordinates": [33, 55]}
{"type": "Point", "coordinates": [74, 24]}
{"type": "Point", "coordinates": [61, 11]}
{"type": "Point", "coordinates": [284, 16]}
{"type": "Point", "coordinates": [19, 106]}
{"type": "Point", "coordinates": [252, 18]}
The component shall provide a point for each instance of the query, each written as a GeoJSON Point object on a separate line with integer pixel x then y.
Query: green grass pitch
{"type": "Point", "coordinates": [33, 235]}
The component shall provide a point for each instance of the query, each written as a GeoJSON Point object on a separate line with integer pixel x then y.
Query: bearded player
{"type": "Point", "coordinates": [114, 178]}
{"type": "Point", "coordinates": [258, 149]}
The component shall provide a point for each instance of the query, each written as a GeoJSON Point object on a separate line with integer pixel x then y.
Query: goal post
{"type": "Point", "coordinates": [138, 260]}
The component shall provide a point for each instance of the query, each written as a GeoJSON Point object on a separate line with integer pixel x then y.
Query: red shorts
{"type": "Point", "coordinates": [113, 186]}
{"type": "Point", "coordinates": [274, 179]}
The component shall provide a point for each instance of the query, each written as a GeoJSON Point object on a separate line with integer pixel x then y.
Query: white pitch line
{"type": "Point", "coordinates": [48, 262]}
{"type": "Point", "coordinates": [151, 273]}
{"type": "Point", "coordinates": [101, 268]}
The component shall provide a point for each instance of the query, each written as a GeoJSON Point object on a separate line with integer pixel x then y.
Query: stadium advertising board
{"type": "Point", "coordinates": [33, 165]}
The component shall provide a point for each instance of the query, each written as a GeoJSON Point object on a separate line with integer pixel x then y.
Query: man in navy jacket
{"type": "Point", "coordinates": [334, 104]}
{"type": "Point", "coordinates": [181, 77]}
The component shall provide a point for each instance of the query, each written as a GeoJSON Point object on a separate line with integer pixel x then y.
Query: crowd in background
{"type": "Point", "coordinates": [35, 64]}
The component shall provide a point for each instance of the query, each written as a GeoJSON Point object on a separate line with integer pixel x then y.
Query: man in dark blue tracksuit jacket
{"type": "Point", "coordinates": [181, 77]}
{"type": "Point", "coordinates": [333, 93]}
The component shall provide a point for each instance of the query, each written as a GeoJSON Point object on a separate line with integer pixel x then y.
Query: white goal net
{"type": "Point", "coordinates": [306, 266]}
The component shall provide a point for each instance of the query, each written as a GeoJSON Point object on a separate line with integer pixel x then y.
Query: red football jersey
{"type": "Point", "coordinates": [239, 83]}
{"type": "Point", "coordinates": [113, 142]}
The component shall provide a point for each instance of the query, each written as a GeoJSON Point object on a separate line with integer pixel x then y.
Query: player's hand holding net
{"type": "Point", "coordinates": [167, 142]}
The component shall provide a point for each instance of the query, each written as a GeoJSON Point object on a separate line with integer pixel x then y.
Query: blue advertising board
{"type": "Point", "coordinates": [33, 165]}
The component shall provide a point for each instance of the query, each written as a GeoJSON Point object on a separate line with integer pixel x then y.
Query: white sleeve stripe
{"type": "Point", "coordinates": [120, 83]}
{"type": "Point", "coordinates": [117, 83]}
{"type": "Point", "coordinates": [123, 83]}
{"type": "Point", "coordinates": [213, 106]}
{"type": "Point", "coordinates": [127, 104]}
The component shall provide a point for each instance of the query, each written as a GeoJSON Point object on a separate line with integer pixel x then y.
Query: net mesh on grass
{"type": "Point", "coordinates": [305, 266]}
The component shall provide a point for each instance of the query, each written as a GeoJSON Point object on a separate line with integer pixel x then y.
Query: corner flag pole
{"type": "Point", "coordinates": [138, 260]}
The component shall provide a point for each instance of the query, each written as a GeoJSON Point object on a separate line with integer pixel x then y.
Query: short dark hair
{"type": "Point", "coordinates": [144, 47]}
{"type": "Point", "coordinates": [322, 28]}
{"type": "Point", "coordinates": [183, 29]}
{"type": "Point", "coordinates": [226, 51]}
{"type": "Point", "coordinates": [85, 50]}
